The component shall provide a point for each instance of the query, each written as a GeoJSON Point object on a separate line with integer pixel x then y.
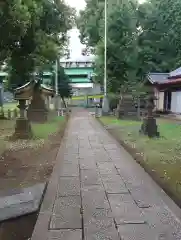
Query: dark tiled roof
{"type": "Point", "coordinates": [158, 77]}
{"type": "Point", "coordinates": [163, 78]}
{"type": "Point", "coordinates": [172, 81]}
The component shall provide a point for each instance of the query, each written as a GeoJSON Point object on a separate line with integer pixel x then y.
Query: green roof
{"type": "Point", "coordinates": [79, 80]}
{"type": "Point", "coordinates": [78, 71]}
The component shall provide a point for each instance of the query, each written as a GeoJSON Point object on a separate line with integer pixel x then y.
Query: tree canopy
{"type": "Point", "coordinates": [34, 34]}
{"type": "Point", "coordinates": [140, 38]}
{"type": "Point", "coordinates": [90, 21]}
{"type": "Point", "coordinates": [14, 19]}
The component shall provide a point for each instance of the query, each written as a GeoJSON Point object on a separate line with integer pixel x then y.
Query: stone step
{"type": "Point", "coordinates": [20, 202]}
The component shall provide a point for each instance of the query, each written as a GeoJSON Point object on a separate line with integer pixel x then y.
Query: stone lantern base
{"type": "Point", "coordinates": [38, 115]}
{"type": "Point", "coordinates": [37, 111]}
{"type": "Point", "coordinates": [23, 129]}
{"type": "Point", "coordinates": [149, 127]}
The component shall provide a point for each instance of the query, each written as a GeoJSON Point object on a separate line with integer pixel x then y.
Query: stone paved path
{"type": "Point", "coordinates": [98, 192]}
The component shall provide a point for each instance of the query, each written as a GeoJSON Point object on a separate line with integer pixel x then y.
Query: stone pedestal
{"type": "Point", "coordinates": [149, 127]}
{"type": "Point", "coordinates": [38, 115]}
{"type": "Point", "coordinates": [126, 108]}
{"type": "Point", "coordinates": [37, 111]}
{"type": "Point", "coordinates": [23, 127]}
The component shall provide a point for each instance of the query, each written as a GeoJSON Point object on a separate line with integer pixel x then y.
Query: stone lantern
{"type": "Point", "coordinates": [38, 108]}
{"type": "Point", "coordinates": [149, 126]}
{"type": "Point", "coordinates": [23, 128]}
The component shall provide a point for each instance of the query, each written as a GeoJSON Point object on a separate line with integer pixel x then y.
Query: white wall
{"type": "Point", "coordinates": [176, 102]}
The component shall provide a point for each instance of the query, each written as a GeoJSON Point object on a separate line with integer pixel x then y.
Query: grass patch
{"type": "Point", "coordinates": [10, 106]}
{"type": "Point", "coordinates": [46, 129]}
{"type": "Point", "coordinates": [161, 156]}
{"type": "Point", "coordinates": [41, 132]}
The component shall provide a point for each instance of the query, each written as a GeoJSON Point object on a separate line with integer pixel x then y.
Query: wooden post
{"type": "Point", "coordinates": [2, 113]}
{"type": "Point", "coordinates": [15, 113]}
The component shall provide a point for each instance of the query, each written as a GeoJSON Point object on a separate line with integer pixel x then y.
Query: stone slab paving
{"type": "Point", "coordinates": [66, 213]}
{"type": "Point", "coordinates": [65, 235]}
{"type": "Point", "coordinates": [68, 186]}
{"type": "Point", "coordinates": [98, 192]}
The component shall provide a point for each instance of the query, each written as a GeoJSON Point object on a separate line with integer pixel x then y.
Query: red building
{"type": "Point", "coordinates": [167, 87]}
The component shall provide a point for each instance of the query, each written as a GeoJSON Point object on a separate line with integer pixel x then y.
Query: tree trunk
{"type": "Point", "coordinates": [138, 108]}
{"type": "Point", "coordinates": [64, 103]}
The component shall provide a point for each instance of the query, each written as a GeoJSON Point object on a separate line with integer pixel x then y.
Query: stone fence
{"type": "Point", "coordinates": [10, 114]}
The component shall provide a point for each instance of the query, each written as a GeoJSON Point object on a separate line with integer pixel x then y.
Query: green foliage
{"type": "Point", "coordinates": [121, 46]}
{"type": "Point", "coordinates": [89, 22]}
{"type": "Point", "coordinates": [141, 38]}
{"type": "Point", "coordinates": [43, 131]}
{"type": "Point", "coordinates": [14, 19]}
{"type": "Point", "coordinates": [158, 52]}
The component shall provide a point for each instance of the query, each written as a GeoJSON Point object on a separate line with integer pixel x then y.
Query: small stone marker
{"type": "Point", "coordinates": [98, 111]}
{"type": "Point", "coordinates": [9, 114]}
{"type": "Point", "coordinates": [149, 126]}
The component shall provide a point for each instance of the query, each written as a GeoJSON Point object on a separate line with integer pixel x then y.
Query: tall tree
{"type": "Point", "coordinates": [64, 87]}
{"type": "Point", "coordinates": [122, 47]}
